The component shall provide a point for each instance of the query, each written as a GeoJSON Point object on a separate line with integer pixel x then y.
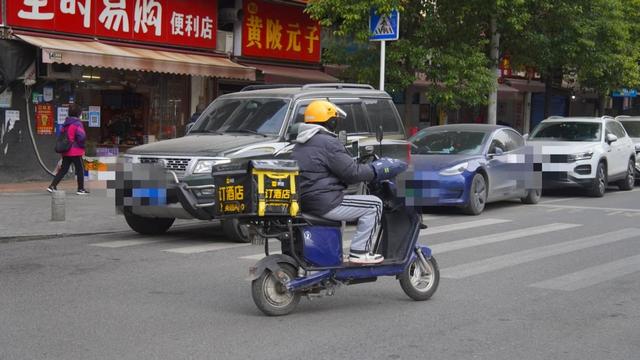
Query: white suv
{"type": "Point", "coordinates": [632, 126]}
{"type": "Point", "coordinates": [584, 151]}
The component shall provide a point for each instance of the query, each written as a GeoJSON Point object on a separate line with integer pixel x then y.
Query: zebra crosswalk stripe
{"type": "Point", "coordinates": [494, 238]}
{"type": "Point", "coordinates": [203, 248]}
{"type": "Point", "coordinates": [521, 257]}
{"type": "Point", "coordinates": [125, 243]}
{"type": "Point", "coordinates": [593, 275]}
{"type": "Point", "coordinates": [461, 226]}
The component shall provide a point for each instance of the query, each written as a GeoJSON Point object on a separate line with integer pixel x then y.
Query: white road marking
{"type": "Point", "coordinates": [124, 243]}
{"type": "Point", "coordinates": [494, 238]}
{"type": "Point", "coordinates": [258, 256]}
{"type": "Point", "coordinates": [521, 257]}
{"type": "Point", "coordinates": [585, 207]}
{"type": "Point", "coordinates": [593, 275]}
{"type": "Point", "coordinates": [559, 200]}
{"type": "Point", "coordinates": [554, 210]}
{"type": "Point", "coordinates": [203, 248]}
{"type": "Point", "coordinates": [461, 226]}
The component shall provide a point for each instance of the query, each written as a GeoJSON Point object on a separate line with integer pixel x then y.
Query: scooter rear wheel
{"type": "Point", "coordinates": [270, 295]}
{"type": "Point", "coordinates": [416, 283]}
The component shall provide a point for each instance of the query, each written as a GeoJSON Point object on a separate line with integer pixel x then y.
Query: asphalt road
{"type": "Point", "coordinates": [557, 280]}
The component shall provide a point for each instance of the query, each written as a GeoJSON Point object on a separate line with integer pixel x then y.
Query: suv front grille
{"type": "Point", "coordinates": [179, 165]}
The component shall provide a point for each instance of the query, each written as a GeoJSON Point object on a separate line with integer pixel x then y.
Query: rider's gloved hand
{"type": "Point", "coordinates": [387, 168]}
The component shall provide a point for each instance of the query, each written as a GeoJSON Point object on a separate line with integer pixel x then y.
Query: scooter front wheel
{"type": "Point", "coordinates": [417, 283]}
{"type": "Point", "coordinates": [271, 296]}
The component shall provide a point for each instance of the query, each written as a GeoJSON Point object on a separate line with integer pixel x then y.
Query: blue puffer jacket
{"type": "Point", "coordinates": [326, 168]}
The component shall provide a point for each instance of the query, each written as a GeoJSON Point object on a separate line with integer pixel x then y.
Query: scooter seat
{"type": "Point", "coordinates": [317, 220]}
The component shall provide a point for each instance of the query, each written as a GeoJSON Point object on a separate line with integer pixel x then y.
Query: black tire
{"type": "Point", "coordinates": [630, 179]}
{"type": "Point", "coordinates": [477, 196]}
{"type": "Point", "coordinates": [417, 285]}
{"type": "Point", "coordinates": [269, 294]}
{"type": "Point", "coordinates": [235, 231]}
{"type": "Point", "coordinates": [532, 197]}
{"type": "Point", "coordinates": [148, 226]}
{"type": "Point", "coordinates": [599, 183]}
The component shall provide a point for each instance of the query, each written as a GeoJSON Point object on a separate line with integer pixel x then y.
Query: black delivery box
{"type": "Point", "coordinates": [256, 188]}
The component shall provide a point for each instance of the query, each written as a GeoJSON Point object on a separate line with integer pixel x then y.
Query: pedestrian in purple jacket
{"type": "Point", "coordinates": [75, 132]}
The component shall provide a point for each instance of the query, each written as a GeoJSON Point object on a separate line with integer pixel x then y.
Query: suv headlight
{"type": "Point", "coordinates": [127, 159]}
{"type": "Point", "coordinates": [580, 156]}
{"type": "Point", "coordinates": [455, 170]}
{"type": "Point", "coordinates": [205, 166]}
{"type": "Point", "coordinates": [637, 148]}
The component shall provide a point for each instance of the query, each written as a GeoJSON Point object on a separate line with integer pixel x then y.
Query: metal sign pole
{"type": "Point", "coordinates": [382, 62]}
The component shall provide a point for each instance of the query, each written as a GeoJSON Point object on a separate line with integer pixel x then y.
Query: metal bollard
{"type": "Point", "coordinates": [58, 206]}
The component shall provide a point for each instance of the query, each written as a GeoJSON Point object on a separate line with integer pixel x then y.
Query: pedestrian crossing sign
{"type": "Point", "coordinates": [384, 27]}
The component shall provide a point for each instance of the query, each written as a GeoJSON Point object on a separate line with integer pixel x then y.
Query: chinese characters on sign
{"type": "Point", "coordinates": [279, 31]}
{"type": "Point", "coordinates": [44, 119]}
{"type": "Point", "coordinates": [176, 22]}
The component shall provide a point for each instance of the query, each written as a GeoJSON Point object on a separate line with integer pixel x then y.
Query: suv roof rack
{"type": "Point", "coordinates": [337, 86]}
{"type": "Point", "coordinates": [269, 86]}
{"type": "Point", "coordinates": [555, 117]}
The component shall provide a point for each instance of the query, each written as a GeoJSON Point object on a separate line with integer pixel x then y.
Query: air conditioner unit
{"type": "Point", "coordinates": [224, 41]}
{"type": "Point", "coordinates": [227, 16]}
{"type": "Point", "coordinates": [61, 71]}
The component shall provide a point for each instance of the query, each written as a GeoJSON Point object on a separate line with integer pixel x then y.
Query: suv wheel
{"type": "Point", "coordinates": [629, 180]}
{"type": "Point", "coordinates": [236, 231]}
{"type": "Point", "coordinates": [148, 226]}
{"type": "Point", "coordinates": [599, 183]}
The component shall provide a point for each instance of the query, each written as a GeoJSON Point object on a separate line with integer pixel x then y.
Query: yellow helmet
{"type": "Point", "coordinates": [320, 111]}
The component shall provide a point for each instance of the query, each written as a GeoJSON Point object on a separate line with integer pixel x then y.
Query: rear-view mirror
{"type": "Point", "coordinates": [611, 138]}
{"type": "Point", "coordinates": [497, 151]}
{"type": "Point", "coordinates": [379, 134]}
{"type": "Point", "coordinates": [342, 136]}
{"type": "Point", "coordinates": [188, 127]}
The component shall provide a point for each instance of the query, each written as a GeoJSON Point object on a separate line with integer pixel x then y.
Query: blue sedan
{"type": "Point", "coordinates": [469, 165]}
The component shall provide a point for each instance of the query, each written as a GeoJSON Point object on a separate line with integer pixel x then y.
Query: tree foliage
{"type": "Point", "coordinates": [442, 42]}
{"type": "Point", "coordinates": [446, 42]}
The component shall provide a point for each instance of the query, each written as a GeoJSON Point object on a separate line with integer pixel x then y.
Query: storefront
{"type": "Point", "coordinates": [282, 42]}
{"type": "Point", "coordinates": [129, 64]}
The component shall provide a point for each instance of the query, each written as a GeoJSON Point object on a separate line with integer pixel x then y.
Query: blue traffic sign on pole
{"type": "Point", "coordinates": [384, 27]}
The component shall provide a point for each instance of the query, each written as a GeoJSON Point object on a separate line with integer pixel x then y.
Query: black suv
{"type": "Point", "coordinates": [257, 122]}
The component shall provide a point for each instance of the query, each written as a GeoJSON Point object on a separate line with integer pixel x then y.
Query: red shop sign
{"type": "Point", "coordinates": [279, 31]}
{"type": "Point", "coordinates": [185, 23]}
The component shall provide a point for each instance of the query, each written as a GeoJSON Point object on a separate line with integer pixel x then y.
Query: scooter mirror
{"type": "Point", "coordinates": [342, 136]}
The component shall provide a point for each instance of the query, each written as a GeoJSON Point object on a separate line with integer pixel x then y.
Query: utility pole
{"type": "Point", "coordinates": [382, 63]}
{"type": "Point", "coordinates": [495, 53]}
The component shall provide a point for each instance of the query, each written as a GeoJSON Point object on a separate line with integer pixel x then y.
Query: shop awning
{"type": "Point", "coordinates": [274, 74]}
{"type": "Point", "coordinates": [99, 54]}
{"type": "Point", "coordinates": [523, 85]}
{"type": "Point", "coordinates": [503, 88]}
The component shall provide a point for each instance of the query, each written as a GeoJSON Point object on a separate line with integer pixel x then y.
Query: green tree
{"type": "Point", "coordinates": [440, 40]}
{"type": "Point", "coordinates": [593, 41]}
